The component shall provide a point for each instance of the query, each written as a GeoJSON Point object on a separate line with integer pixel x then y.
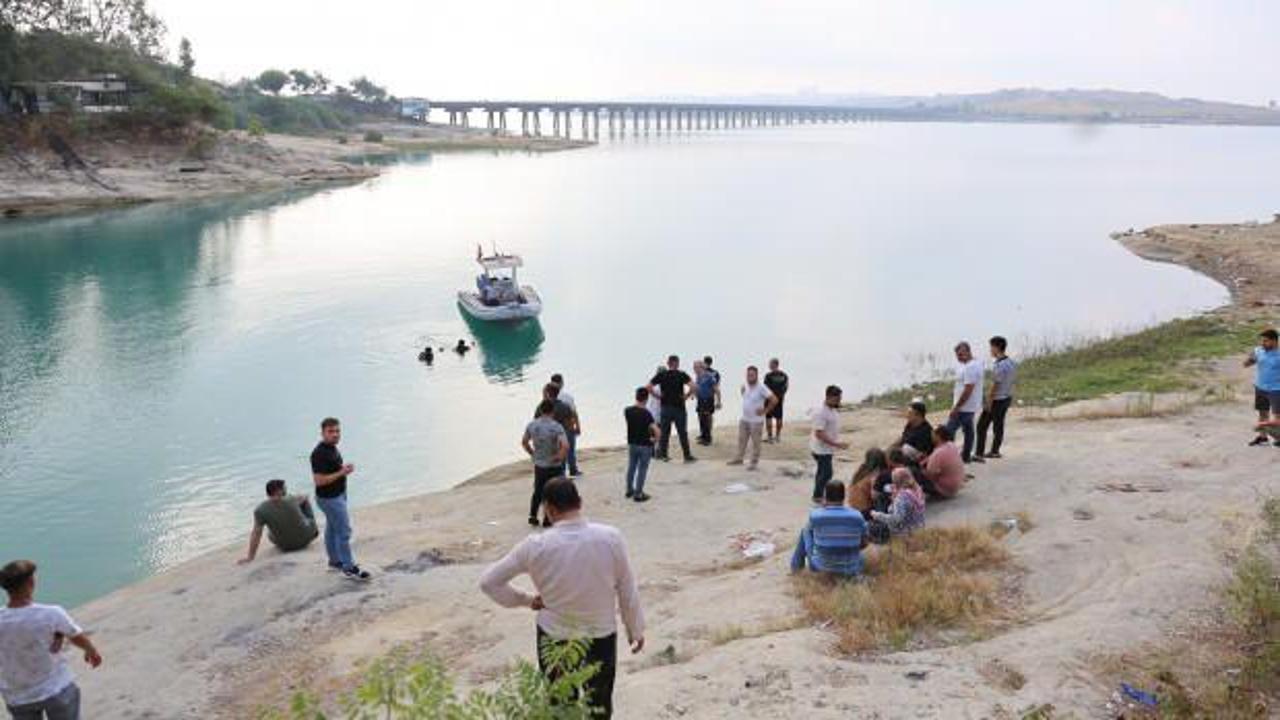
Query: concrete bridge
{"type": "Point", "coordinates": [643, 117]}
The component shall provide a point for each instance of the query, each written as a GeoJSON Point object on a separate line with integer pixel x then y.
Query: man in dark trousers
{"type": "Point", "coordinates": [778, 383]}
{"type": "Point", "coordinates": [547, 443]}
{"type": "Point", "coordinates": [675, 387]}
{"type": "Point", "coordinates": [1004, 372]}
{"type": "Point", "coordinates": [582, 579]}
{"type": "Point", "coordinates": [330, 473]}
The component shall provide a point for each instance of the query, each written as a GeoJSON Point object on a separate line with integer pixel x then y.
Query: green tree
{"type": "Point", "coordinates": [301, 81]}
{"type": "Point", "coordinates": [273, 81]}
{"type": "Point", "coordinates": [321, 82]}
{"type": "Point", "coordinates": [365, 89]}
{"type": "Point", "coordinates": [125, 23]}
{"type": "Point", "coordinates": [186, 60]}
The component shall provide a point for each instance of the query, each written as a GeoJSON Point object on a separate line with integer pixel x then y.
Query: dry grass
{"type": "Point", "coordinates": [935, 580]}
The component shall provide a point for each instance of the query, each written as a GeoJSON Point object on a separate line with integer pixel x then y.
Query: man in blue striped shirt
{"type": "Point", "coordinates": [834, 538]}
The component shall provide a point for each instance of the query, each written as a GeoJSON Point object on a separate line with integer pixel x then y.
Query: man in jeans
{"type": "Point", "coordinates": [565, 414]}
{"type": "Point", "coordinates": [675, 387]}
{"type": "Point", "coordinates": [548, 444]}
{"type": "Point", "coordinates": [967, 397]}
{"type": "Point", "coordinates": [757, 402]}
{"type": "Point", "coordinates": [582, 579]}
{"type": "Point", "coordinates": [34, 678]}
{"type": "Point", "coordinates": [834, 538]}
{"type": "Point", "coordinates": [571, 463]}
{"type": "Point", "coordinates": [330, 474]}
{"type": "Point", "coordinates": [642, 433]}
{"type": "Point", "coordinates": [1004, 372]}
{"type": "Point", "coordinates": [824, 441]}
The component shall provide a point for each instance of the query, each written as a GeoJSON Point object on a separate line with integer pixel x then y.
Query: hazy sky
{"type": "Point", "coordinates": [1215, 49]}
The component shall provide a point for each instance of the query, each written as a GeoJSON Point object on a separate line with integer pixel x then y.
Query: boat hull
{"type": "Point", "coordinates": [510, 312]}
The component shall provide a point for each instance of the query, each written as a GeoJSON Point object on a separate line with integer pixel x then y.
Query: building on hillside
{"type": "Point", "coordinates": [101, 94]}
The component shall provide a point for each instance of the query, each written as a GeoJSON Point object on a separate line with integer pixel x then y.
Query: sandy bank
{"type": "Point", "coordinates": [37, 182]}
{"type": "Point", "coordinates": [1134, 519]}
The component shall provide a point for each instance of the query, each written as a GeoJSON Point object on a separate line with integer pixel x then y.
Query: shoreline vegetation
{"type": "Point", "coordinates": [1113, 534]}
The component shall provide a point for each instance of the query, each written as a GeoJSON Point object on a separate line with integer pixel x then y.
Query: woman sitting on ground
{"type": "Point", "coordinates": [943, 469]}
{"type": "Point", "coordinates": [861, 496]}
{"type": "Point", "coordinates": [906, 511]}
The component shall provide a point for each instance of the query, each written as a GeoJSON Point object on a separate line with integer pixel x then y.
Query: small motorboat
{"type": "Point", "coordinates": [499, 296]}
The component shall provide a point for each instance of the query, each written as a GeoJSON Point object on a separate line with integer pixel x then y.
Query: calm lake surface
{"type": "Point", "coordinates": [157, 365]}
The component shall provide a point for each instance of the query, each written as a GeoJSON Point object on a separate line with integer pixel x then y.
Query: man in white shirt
{"type": "Point", "coordinates": [966, 397]}
{"type": "Point", "coordinates": [34, 678]}
{"type": "Point", "coordinates": [582, 578]}
{"type": "Point", "coordinates": [757, 402]}
{"type": "Point", "coordinates": [824, 441]}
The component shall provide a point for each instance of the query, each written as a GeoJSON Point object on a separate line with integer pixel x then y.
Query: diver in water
{"type": "Point", "coordinates": [426, 356]}
{"type": "Point", "coordinates": [461, 348]}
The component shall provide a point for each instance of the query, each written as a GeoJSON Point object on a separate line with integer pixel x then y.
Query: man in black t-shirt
{"type": "Point", "coordinates": [642, 433]}
{"type": "Point", "coordinates": [917, 434]}
{"type": "Point", "coordinates": [778, 384]}
{"type": "Point", "coordinates": [675, 387]}
{"type": "Point", "coordinates": [330, 474]}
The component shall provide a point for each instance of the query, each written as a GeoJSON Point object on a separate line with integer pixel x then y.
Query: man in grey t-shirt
{"type": "Point", "coordinates": [1004, 372]}
{"type": "Point", "coordinates": [548, 444]}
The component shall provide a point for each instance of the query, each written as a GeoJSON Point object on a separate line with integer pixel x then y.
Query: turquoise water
{"type": "Point", "coordinates": [158, 364]}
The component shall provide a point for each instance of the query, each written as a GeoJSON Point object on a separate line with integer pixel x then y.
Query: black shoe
{"type": "Point", "coordinates": [993, 456]}
{"type": "Point", "coordinates": [1260, 440]}
{"type": "Point", "coordinates": [690, 459]}
{"type": "Point", "coordinates": [663, 458]}
{"type": "Point", "coordinates": [641, 497]}
{"type": "Point", "coordinates": [977, 459]}
{"type": "Point", "coordinates": [355, 573]}
{"type": "Point", "coordinates": [533, 521]}
{"type": "Point", "coordinates": [631, 494]}
{"type": "Point", "coordinates": [546, 522]}
{"type": "Point", "coordinates": [335, 566]}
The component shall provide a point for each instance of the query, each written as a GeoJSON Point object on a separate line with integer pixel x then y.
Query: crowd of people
{"type": "Point", "coordinates": [581, 570]}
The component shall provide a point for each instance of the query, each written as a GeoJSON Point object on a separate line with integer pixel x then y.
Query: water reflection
{"type": "Point", "coordinates": [506, 349]}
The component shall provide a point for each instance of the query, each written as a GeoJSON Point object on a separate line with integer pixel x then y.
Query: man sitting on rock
{"type": "Point", "coordinates": [833, 540]}
{"type": "Point", "coordinates": [290, 521]}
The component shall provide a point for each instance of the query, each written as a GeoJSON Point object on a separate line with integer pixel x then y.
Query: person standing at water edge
{"type": "Point", "coordinates": [757, 402]}
{"type": "Point", "coordinates": [676, 387]}
{"type": "Point", "coordinates": [290, 522]}
{"type": "Point", "coordinates": [778, 383]}
{"type": "Point", "coordinates": [562, 413]}
{"type": "Point", "coordinates": [1267, 381]}
{"type": "Point", "coordinates": [582, 578]}
{"type": "Point", "coordinates": [35, 681]}
{"type": "Point", "coordinates": [642, 433]}
{"type": "Point", "coordinates": [967, 397]}
{"type": "Point", "coordinates": [824, 441]}
{"type": "Point", "coordinates": [548, 444]}
{"type": "Point", "coordinates": [572, 461]}
{"type": "Point", "coordinates": [1004, 372]}
{"type": "Point", "coordinates": [707, 384]}
{"type": "Point", "coordinates": [330, 474]}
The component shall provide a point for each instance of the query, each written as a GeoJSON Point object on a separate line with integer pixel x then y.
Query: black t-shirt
{"type": "Point", "coordinates": [326, 460]}
{"type": "Point", "coordinates": [639, 421]}
{"type": "Point", "coordinates": [919, 437]}
{"type": "Point", "coordinates": [671, 384]}
{"type": "Point", "coordinates": [777, 382]}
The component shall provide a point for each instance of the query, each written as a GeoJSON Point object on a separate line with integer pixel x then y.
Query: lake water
{"type": "Point", "coordinates": [158, 364]}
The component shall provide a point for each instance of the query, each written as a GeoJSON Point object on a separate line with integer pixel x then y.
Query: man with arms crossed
{"type": "Point", "coordinates": [1267, 383]}
{"type": "Point", "coordinates": [34, 678]}
{"type": "Point", "coordinates": [778, 383]}
{"type": "Point", "coordinates": [1004, 373]}
{"type": "Point", "coordinates": [824, 441]}
{"type": "Point", "coordinates": [757, 402]}
{"type": "Point", "coordinates": [581, 577]}
{"type": "Point", "coordinates": [330, 474]}
{"type": "Point", "coordinates": [289, 520]}
{"type": "Point", "coordinates": [967, 397]}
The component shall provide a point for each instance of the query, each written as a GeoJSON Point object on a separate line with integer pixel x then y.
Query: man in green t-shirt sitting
{"type": "Point", "coordinates": [289, 520]}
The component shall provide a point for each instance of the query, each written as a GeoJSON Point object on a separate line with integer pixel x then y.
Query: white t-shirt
{"type": "Point", "coordinates": [754, 398]}
{"type": "Point", "coordinates": [828, 421]}
{"type": "Point", "coordinates": [969, 373]}
{"type": "Point", "coordinates": [29, 672]}
{"type": "Point", "coordinates": [567, 399]}
{"type": "Point", "coordinates": [655, 404]}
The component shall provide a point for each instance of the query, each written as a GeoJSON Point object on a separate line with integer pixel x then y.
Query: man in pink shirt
{"type": "Point", "coordinates": [944, 468]}
{"type": "Point", "coordinates": [582, 578]}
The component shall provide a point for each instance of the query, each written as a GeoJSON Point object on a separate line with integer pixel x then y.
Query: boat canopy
{"type": "Point", "coordinates": [499, 262]}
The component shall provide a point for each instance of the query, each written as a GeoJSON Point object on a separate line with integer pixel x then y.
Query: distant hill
{"type": "Point", "coordinates": [1037, 105]}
